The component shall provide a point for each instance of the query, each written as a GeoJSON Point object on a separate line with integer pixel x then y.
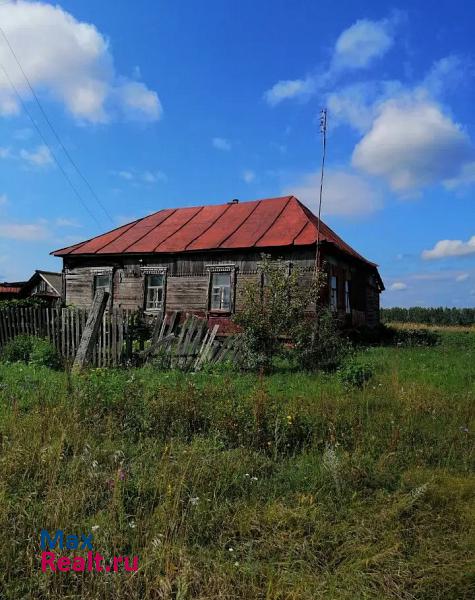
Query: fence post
{"type": "Point", "coordinates": [89, 336]}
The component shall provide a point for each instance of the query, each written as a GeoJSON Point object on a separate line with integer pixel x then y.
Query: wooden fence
{"type": "Point", "coordinates": [64, 327]}
{"type": "Point", "coordinates": [124, 336]}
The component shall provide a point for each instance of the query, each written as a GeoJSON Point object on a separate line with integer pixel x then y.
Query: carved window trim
{"type": "Point", "coordinates": [157, 270]}
{"type": "Point", "coordinates": [222, 268]}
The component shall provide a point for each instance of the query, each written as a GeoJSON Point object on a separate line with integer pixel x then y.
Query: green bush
{"type": "Point", "coordinates": [320, 343]}
{"type": "Point", "coordinates": [384, 335]}
{"type": "Point", "coordinates": [44, 354]}
{"type": "Point", "coordinates": [416, 337]}
{"type": "Point", "coordinates": [355, 374]}
{"type": "Point", "coordinates": [31, 350]}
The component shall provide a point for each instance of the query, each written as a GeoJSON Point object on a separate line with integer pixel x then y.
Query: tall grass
{"type": "Point", "coordinates": [238, 487]}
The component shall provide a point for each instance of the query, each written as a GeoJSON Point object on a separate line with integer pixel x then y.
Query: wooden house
{"type": "Point", "coordinates": [10, 291]}
{"type": "Point", "coordinates": [45, 286]}
{"type": "Point", "coordinates": [198, 259]}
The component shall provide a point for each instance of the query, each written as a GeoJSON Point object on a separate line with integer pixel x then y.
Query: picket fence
{"type": "Point", "coordinates": [64, 327]}
{"type": "Point", "coordinates": [124, 336]}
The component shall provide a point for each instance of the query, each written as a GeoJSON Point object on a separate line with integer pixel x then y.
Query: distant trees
{"type": "Point", "coordinates": [429, 316]}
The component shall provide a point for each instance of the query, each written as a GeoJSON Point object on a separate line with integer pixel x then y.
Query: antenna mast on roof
{"type": "Point", "coordinates": [323, 131]}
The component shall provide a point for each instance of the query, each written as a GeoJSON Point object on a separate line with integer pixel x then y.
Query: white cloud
{"type": "Point", "coordinates": [23, 134]}
{"type": "Point", "coordinates": [356, 48]}
{"type": "Point", "coordinates": [5, 152]}
{"type": "Point", "coordinates": [27, 232]}
{"type": "Point", "coordinates": [450, 248]}
{"type": "Point", "coordinates": [398, 286]}
{"type": "Point", "coordinates": [40, 157]}
{"type": "Point", "coordinates": [359, 45]}
{"type": "Point", "coordinates": [64, 222]}
{"type": "Point", "coordinates": [465, 177]}
{"type": "Point", "coordinates": [248, 176]}
{"type": "Point", "coordinates": [290, 88]}
{"type": "Point", "coordinates": [70, 61]}
{"type": "Point", "coordinates": [221, 144]}
{"type": "Point", "coordinates": [153, 177]}
{"type": "Point", "coordinates": [125, 175]}
{"type": "Point", "coordinates": [412, 144]}
{"type": "Point", "coordinates": [139, 102]}
{"type": "Point", "coordinates": [345, 193]}
{"type": "Point", "coordinates": [144, 177]}
{"type": "Point", "coordinates": [462, 277]}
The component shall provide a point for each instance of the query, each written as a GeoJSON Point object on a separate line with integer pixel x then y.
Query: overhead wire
{"type": "Point", "coordinates": [53, 130]}
{"type": "Point", "coordinates": [45, 141]}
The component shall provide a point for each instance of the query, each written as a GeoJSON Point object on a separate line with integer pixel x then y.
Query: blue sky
{"type": "Point", "coordinates": [173, 104]}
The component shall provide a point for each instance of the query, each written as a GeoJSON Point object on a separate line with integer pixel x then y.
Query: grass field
{"type": "Point", "coordinates": [228, 486]}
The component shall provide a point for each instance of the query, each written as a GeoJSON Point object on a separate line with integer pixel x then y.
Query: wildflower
{"type": "Point", "coordinates": [419, 491]}
{"type": "Point", "coordinates": [121, 474]}
{"type": "Point", "coordinates": [464, 429]}
{"type": "Point", "coordinates": [95, 464]}
{"type": "Point", "coordinates": [254, 478]}
{"type": "Point", "coordinates": [194, 501]}
{"type": "Point", "coordinates": [246, 475]}
{"type": "Point", "coordinates": [331, 463]}
{"type": "Point", "coordinates": [230, 549]}
{"type": "Point", "coordinates": [94, 527]}
{"type": "Point", "coordinates": [157, 542]}
{"type": "Point", "coordinates": [236, 564]}
{"type": "Point", "coordinates": [132, 524]}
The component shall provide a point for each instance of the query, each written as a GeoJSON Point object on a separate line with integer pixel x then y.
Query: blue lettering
{"type": "Point", "coordinates": [45, 539]}
{"type": "Point", "coordinates": [72, 542]}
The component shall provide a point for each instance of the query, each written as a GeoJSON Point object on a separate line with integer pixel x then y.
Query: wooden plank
{"type": "Point", "coordinates": [203, 356]}
{"type": "Point", "coordinates": [91, 330]}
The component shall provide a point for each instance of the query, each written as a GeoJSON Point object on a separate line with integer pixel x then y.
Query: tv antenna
{"type": "Point", "coordinates": [323, 131]}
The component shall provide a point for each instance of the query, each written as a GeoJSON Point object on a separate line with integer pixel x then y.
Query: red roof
{"type": "Point", "coordinates": [273, 222]}
{"type": "Point", "coordinates": [4, 289]}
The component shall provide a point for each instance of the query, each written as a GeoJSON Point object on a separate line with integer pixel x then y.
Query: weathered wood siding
{"type": "Point", "coordinates": [187, 279]}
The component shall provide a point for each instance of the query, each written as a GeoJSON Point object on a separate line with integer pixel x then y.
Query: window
{"type": "Point", "coordinates": [334, 293]}
{"type": "Point", "coordinates": [102, 282]}
{"type": "Point", "coordinates": [221, 291]}
{"type": "Point", "coordinates": [347, 297]}
{"type": "Point", "coordinates": [154, 291]}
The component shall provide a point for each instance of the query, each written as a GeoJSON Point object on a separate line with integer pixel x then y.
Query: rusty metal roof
{"type": "Point", "coordinates": [6, 289]}
{"type": "Point", "coordinates": [269, 223]}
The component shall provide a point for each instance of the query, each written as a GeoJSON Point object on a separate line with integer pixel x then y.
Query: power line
{"type": "Point", "coordinates": [65, 174]}
{"type": "Point", "coordinates": [52, 128]}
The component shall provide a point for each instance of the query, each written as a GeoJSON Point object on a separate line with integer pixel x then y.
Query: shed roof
{"type": "Point", "coordinates": [8, 289]}
{"type": "Point", "coordinates": [272, 222]}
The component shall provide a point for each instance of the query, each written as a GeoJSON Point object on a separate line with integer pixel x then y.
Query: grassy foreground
{"type": "Point", "coordinates": [235, 487]}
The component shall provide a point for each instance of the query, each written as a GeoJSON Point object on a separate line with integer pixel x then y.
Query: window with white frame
{"type": "Point", "coordinates": [334, 292]}
{"type": "Point", "coordinates": [154, 291]}
{"type": "Point", "coordinates": [347, 297]}
{"type": "Point", "coordinates": [221, 291]}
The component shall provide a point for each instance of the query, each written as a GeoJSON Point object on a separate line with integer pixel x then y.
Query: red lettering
{"type": "Point", "coordinates": [64, 564]}
{"type": "Point", "coordinates": [47, 560]}
{"type": "Point", "coordinates": [135, 564]}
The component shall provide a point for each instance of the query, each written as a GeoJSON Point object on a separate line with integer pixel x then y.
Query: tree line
{"type": "Point", "coordinates": [429, 316]}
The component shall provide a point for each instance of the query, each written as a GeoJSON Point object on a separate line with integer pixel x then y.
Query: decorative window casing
{"type": "Point", "coordinates": [155, 288]}
{"type": "Point", "coordinates": [334, 293]}
{"type": "Point", "coordinates": [221, 288]}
